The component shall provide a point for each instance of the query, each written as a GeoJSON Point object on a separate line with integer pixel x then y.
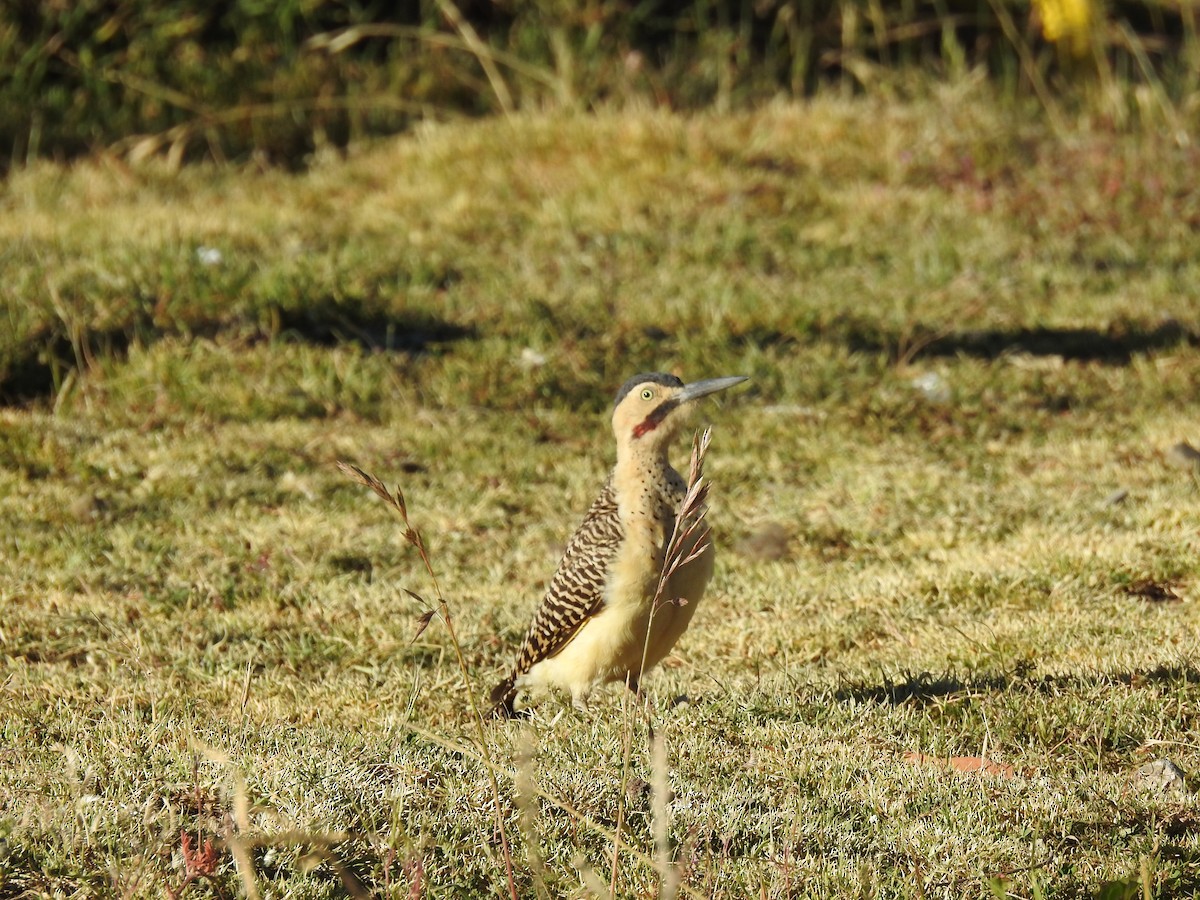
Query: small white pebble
{"type": "Point", "coordinates": [532, 359]}
{"type": "Point", "coordinates": [209, 256]}
{"type": "Point", "coordinates": [933, 386]}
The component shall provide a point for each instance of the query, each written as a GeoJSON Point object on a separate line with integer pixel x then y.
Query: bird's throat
{"type": "Point", "coordinates": [640, 481]}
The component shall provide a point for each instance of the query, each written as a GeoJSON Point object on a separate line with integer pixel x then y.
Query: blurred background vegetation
{"type": "Point", "coordinates": [280, 79]}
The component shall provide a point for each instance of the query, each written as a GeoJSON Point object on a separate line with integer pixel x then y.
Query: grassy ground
{"type": "Point", "coordinates": [948, 517]}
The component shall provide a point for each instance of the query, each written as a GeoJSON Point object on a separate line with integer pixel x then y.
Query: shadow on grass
{"type": "Point", "coordinates": [327, 323]}
{"type": "Point", "coordinates": [42, 364]}
{"type": "Point", "coordinates": [37, 369]}
{"type": "Point", "coordinates": [1117, 344]}
{"type": "Point", "coordinates": [925, 688]}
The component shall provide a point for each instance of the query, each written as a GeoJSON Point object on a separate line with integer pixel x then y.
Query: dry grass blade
{"type": "Point", "coordinates": [697, 536]}
{"type": "Point", "coordinates": [1029, 66]}
{"type": "Point", "coordinates": [241, 858]}
{"type": "Point", "coordinates": [422, 623]}
{"type": "Point", "coordinates": [425, 618]}
{"type": "Point", "coordinates": [344, 39]}
{"type": "Point", "coordinates": [699, 449]}
{"type": "Point", "coordinates": [396, 501]}
{"type": "Point", "coordinates": [660, 807]}
{"type": "Point", "coordinates": [351, 883]}
{"type": "Point", "coordinates": [689, 539]}
{"type": "Point", "coordinates": [626, 753]}
{"type": "Point", "coordinates": [554, 800]}
{"type": "Point", "coordinates": [591, 883]}
{"type": "Point", "coordinates": [690, 536]}
{"type": "Point", "coordinates": [528, 809]}
{"type": "Point", "coordinates": [481, 52]}
{"type": "Point", "coordinates": [701, 546]}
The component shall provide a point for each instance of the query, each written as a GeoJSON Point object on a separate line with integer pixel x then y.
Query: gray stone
{"type": "Point", "coordinates": [1163, 777]}
{"type": "Point", "coordinates": [1184, 455]}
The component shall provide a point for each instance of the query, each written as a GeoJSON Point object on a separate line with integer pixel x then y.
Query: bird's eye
{"type": "Point", "coordinates": [647, 394]}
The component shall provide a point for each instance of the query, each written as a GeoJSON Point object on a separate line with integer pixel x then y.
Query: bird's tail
{"type": "Point", "coordinates": [503, 697]}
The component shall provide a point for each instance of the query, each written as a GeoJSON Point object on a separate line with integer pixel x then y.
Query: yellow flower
{"type": "Point", "coordinates": [1066, 23]}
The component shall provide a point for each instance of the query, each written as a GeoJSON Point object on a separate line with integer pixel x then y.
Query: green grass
{"type": "Point", "coordinates": [194, 596]}
{"type": "Point", "coordinates": [290, 81]}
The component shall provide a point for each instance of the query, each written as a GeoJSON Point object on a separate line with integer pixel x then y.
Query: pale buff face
{"type": "Point", "coordinates": [650, 415]}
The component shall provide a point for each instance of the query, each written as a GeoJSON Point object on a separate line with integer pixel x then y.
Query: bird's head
{"type": "Point", "coordinates": [651, 408]}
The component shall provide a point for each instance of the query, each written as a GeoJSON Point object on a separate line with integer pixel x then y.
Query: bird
{"type": "Point", "coordinates": [598, 622]}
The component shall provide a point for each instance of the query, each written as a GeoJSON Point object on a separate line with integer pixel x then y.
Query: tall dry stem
{"type": "Point", "coordinates": [690, 538]}
{"type": "Point", "coordinates": [527, 808]}
{"type": "Point", "coordinates": [690, 535]}
{"type": "Point", "coordinates": [477, 46]}
{"type": "Point", "coordinates": [660, 808]}
{"type": "Point", "coordinates": [395, 499]}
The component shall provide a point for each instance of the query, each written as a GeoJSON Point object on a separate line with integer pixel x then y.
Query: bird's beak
{"type": "Point", "coordinates": [698, 389]}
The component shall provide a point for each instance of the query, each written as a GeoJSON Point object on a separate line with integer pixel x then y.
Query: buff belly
{"type": "Point", "coordinates": [612, 645]}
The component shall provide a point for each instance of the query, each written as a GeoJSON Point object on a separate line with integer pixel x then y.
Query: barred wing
{"type": "Point", "coordinates": [576, 592]}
